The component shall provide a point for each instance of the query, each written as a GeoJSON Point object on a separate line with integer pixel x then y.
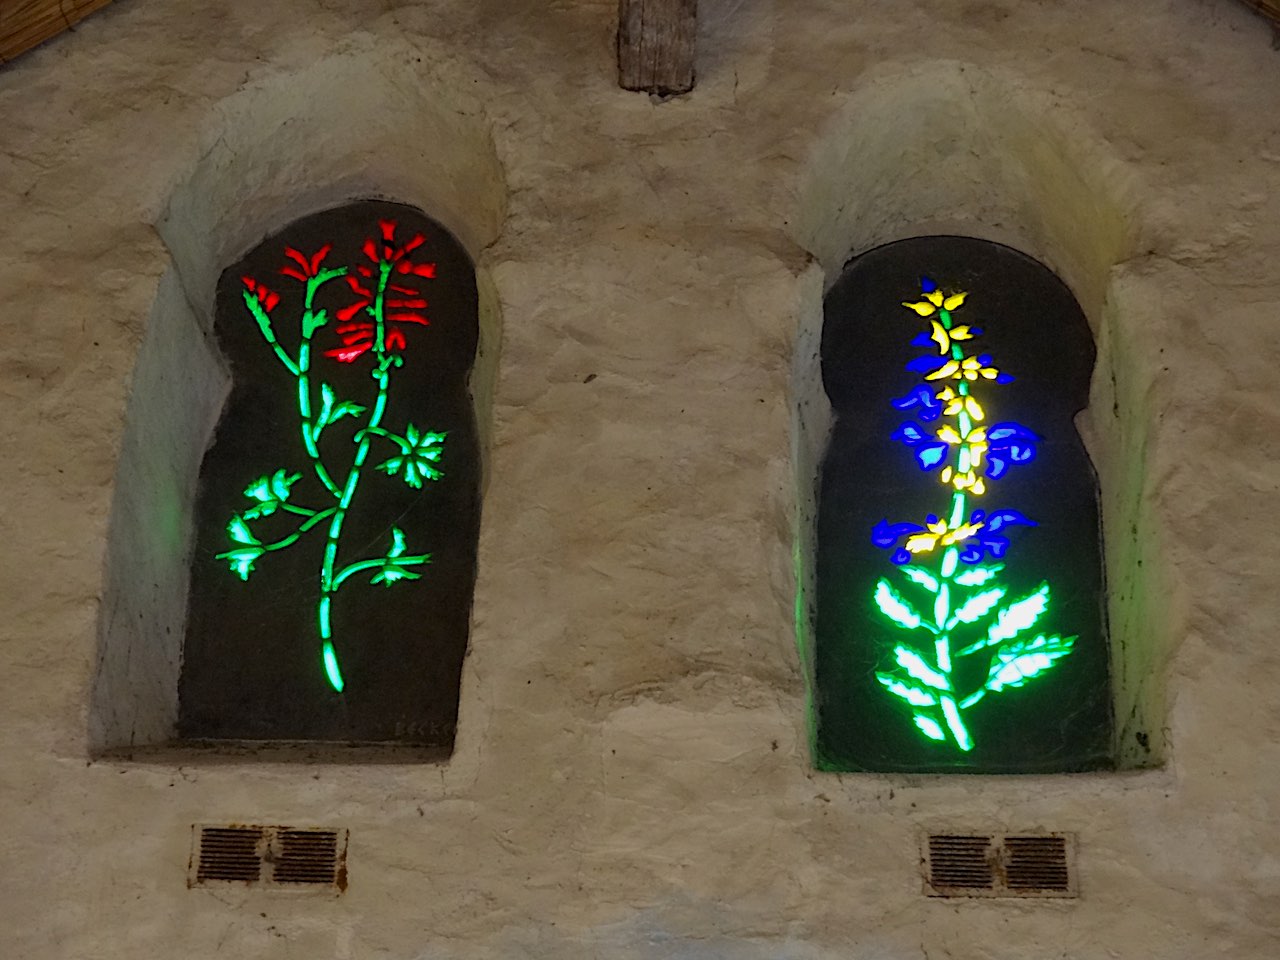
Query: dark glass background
{"type": "Point", "coordinates": [1060, 720]}
{"type": "Point", "coordinates": [252, 667]}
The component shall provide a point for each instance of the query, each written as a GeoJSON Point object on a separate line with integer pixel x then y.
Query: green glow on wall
{"type": "Point", "coordinates": [369, 329]}
{"type": "Point", "coordinates": [965, 638]}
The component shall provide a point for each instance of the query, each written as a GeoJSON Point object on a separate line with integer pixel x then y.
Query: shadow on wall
{"type": "Point", "coordinates": [948, 148]}
{"type": "Point", "coordinates": [290, 146]}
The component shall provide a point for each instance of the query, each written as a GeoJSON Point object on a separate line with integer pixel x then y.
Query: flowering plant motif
{"type": "Point", "coordinates": [371, 327]}
{"type": "Point", "coordinates": [949, 598]}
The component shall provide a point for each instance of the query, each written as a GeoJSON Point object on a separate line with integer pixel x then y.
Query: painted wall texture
{"type": "Point", "coordinates": [632, 778]}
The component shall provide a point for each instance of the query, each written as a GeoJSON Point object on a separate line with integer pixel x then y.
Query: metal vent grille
{"type": "Point", "coordinates": [1021, 865]}
{"type": "Point", "coordinates": [306, 856]}
{"type": "Point", "coordinates": [229, 853]}
{"type": "Point", "coordinates": [1036, 863]}
{"type": "Point", "coordinates": [960, 861]}
{"type": "Point", "coordinates": [268, 856]}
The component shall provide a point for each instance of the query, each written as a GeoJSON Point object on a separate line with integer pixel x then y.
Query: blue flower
{"type": "Point", "coordinates": [929, 450]}
{"type": "Point", "coordinates": [1008, 443]}
{"type": "Point", "coordinates": [885, 535]}
{"type": "Point", "coordinates": [922, 397]}
{"type": "Point", "coordinates": [988, 539]}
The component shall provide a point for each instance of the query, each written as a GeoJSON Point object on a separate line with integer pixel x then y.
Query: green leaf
{"type": "Point", "coordinates": [913, 695]}
{"type": "Point", "coordinates": [914, 664]}
{"type": "Point", "coordinates": [394, 568]}
{"type": "Point", "coordinates": [929, 727]}
{"type": "Point", "coordinates": [313, 321]}
{"type": "Point", "coordinates": [976, 606]}
{"type": "Point", "coordinates": [333, 410]}
{"type": "Point", "coordinates": [922, 577]}
{"type": "Point", "coordinates": [419, 452]}
{"type": "Point", "coordinates": [270, 492]}
{"type": "Point", "coordinates": [281, 484]}
{"type": "Point", "coordinates": [1019, 662]}
{"type": "Point", "coordinates": [1018, 616]}
{"type": "Point", "coordinates": [977, 576]}
{"type": "Point", "coordinates": [893, 606]}
{"type": "Point", "coordinates": [241, 560]}
{"type": "Point", "coordinates": [239, 531]}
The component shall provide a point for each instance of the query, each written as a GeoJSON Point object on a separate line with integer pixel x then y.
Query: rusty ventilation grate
{"type": "Point", "coordinates": [268, 856]}
{"type": "Point", "coordinates": [1008, 865]}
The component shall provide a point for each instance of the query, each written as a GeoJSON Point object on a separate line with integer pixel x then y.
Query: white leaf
{"type": "Point", "coordinates": [1018, 616]}
{"type": "Point", "coordinates": [977, 605]}
{"type": "Point", "coordinates": [913, 695]}
{"type": "Point", "coordinates": [922, 577]}
{"type": "Point", "coordinates": [914, 664]}
{"type": "Point", "coordinates": [1019, 662]}
{"type": "Point", "coordinates": [894, 607]}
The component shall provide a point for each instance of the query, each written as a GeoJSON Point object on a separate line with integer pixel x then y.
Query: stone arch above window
{"type": "Point", "coordinates": [338, 508]}
{"type": "Point", "coordinates": [961, 618]}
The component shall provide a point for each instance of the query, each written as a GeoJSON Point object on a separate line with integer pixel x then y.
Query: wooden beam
{"type": "Point", "coordinates": [27, 23]}
{"type": "Point", "coordinates": [656, 41]}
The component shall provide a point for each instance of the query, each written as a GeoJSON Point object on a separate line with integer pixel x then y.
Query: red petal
{"type": "Point", "coordinates": [395, 339]}
{"type": "Point", "coordinates": [291, 272]}
{"type": "Point", "coordinates": [388, 229]}
{"type": "Point", "coordinates": [407, 304]}
{"type": "Point", "coordinates": [364, 271]}
{"type": "Point", "coordinates": [296, 257]}
{"type": "Point", "coordinates": [354, 284]}
{"type": "Point", "coordinates": [406, 290]}
{"type": "Point", "coordinates": [415, 243]}
{"type": "Point", "coordinates": [318, 258]}
{"type": "Point", "coordinates": [361, 325]}
{"type": "Point", "coordinates": [409, 318]}
{"type": "Point", "coordinates": [370, 250]}
{"type": "Point", "coordinates": [272, 300]}
{"type": "Point", "coordinates": [346, 313]}
{"type": "Point", "coordinates": [251, 283]}
{"type": "Point", "coordinates": [346, 354]}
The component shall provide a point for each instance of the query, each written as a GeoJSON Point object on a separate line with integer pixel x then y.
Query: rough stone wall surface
{"type": "Point", "coordinates": [632, 778]}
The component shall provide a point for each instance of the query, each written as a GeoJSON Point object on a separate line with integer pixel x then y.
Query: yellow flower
{"type": "Point", "coordinates": [970, 368]}
{"type": "Point", "coordinates": [973, 445]}
{"type": "Point", "coordinates": [943, 337]}
{"type": "Point", "coordinates": [974, 367]}
{"type": "Point", "coordinates": [955, 402]}
{"type": "Point", "coordinates": [935, 301]}
{"type": "Point", "coordinates": [940, 533]}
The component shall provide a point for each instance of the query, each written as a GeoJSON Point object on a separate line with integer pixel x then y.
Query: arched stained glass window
{"type": "Point", "coordinates": [961, 617]}
{"type": "Point", "coordinates": [338, 508]}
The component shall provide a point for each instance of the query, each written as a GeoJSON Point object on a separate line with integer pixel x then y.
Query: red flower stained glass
{"type": "Point", "coordinates": [359, 326]}
{"type": "Point", "coordinates": [267, 298]}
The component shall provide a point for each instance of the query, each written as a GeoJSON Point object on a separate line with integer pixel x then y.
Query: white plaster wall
{"type": "Point", "coordinates": [631, 778]}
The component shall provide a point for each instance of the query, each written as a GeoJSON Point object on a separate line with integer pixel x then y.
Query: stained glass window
{"type": "Point", "coordinates": [338, 508]}
{"type": "Point", "coordinates": [961, 618]}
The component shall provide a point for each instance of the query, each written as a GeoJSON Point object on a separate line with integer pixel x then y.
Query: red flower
{"type": "Point", "coordinates": [307, 267]}
{"type": "Point", "coordinates": [402, 305]}
{"type": "Point", "coordinates": [265, 296]}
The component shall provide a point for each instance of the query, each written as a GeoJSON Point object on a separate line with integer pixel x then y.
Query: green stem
{"type": "Point", "coordinates": [380, 562]}
{"type": "Point", "coordinates": [292, 538]}
{"type": "Point", "coordinates": [268, 334]}
{"type": "Point", "coordinates": [304, 383]}
{"type": "Point", "coordinates": [328, 582]}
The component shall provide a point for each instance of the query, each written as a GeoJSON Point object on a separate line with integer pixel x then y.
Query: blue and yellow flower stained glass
{"type": "Point", "coordinates": [964, 638]}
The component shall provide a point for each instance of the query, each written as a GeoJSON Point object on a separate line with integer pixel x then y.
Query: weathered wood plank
{"type": "Point", "coordinates": [656, 44]}
{"type": "Point", "coordinates": [27, 23]}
